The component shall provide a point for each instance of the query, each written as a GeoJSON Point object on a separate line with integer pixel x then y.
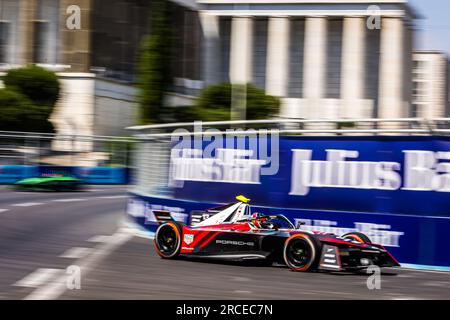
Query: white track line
{"type": "Point", "coordinates": [100, 238]}
{"type": "Point", "coordinates": [444, 284]}
{"type": "Point", "coordinates": [38, 277]}
{"type": "Point", "coordinates": [242, 291]}
{"type": "Point", "coordinates": [76, 253]}
{"type": "Point", "coordinates": [426, 271]}
{"type": "Point", "coordinates": [56, 288]}
{"type": "Point", "coordinates": [27, 204]}
{"type": "Point", "coordinates": [3, 210]}
{"type": "Point", "coordinates": [113, 197]}
{"type": "Point", "coordinates": [405, 298]}
{"type": "Point", "coordinates": [69, 200]}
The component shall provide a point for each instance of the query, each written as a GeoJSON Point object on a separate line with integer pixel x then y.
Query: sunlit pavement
{"type": "Point", "coordinates": [135, 271]}
{"type": "Point", "coordinates": [37, 229]}
{"type": "Point", "coordinates": [44, 234]}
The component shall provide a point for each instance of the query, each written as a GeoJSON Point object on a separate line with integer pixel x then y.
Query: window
{"type": "Point", "coordinates": [46, 32]}
{"type": "Point", "coordinates": [225, 43]}
{"type": "Point", "coordinates": [39, 45]}
{"type": "Point", "coordinates": [296, 48]}
{"type": "Point", "coordinates": [334, 59]}
{"type": "Point", "coordinates": [372, 58]}
{"type": "Point", "coordinates": [414, 109]}
{"type": "Point", "coordinates": [4, 38]}
{"type": "Point", "coordinates": [260, 26]}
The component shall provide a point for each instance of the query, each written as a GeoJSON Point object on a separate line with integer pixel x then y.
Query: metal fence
{"type": "Point", "coordinates": [288, 126]}
{"type": "Point", "coordinates": [149, 148]}
{"type": "Point", "coordinates": [31, 148]}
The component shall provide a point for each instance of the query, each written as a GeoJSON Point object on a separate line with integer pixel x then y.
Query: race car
{"type": "Point", "coordinates": [50, 182]}
{"type": "Point", "coordinates": [234, 232]}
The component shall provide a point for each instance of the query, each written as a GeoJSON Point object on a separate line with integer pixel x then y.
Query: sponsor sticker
{"type": "Point", "coordinates": [188, 238]}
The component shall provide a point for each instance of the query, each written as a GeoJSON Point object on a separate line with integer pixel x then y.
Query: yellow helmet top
{"type": "Point", "coordinates": [243, 199]}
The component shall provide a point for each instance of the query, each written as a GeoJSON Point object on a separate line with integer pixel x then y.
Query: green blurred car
{"type": "Point", "coordinates": [50, 183]}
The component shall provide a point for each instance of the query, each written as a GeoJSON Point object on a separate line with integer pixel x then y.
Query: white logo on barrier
{"type": "Point", "coordinates": [423, 172]}
{"type": "Point", "coordinates": [378, 233]}
{"type": "Point", "coordinates": [229, 165]}
{"type": "Point", "coordinates": [236, 156]}
{"type": "Point", "coordinates": [135, 208]}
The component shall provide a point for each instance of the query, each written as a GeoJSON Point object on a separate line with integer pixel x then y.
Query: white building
{"type": "Point", "coordinates": [430, 85]}
{"type": "Point", "coordinates": [325, 59]}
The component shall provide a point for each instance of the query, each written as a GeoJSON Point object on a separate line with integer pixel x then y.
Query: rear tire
{"type": "Point", "coordinates": [301, 252]}
{"type": "Point", "coordinates": [168, 240]}
{"type": "Point", "coordinates": [357, 236]}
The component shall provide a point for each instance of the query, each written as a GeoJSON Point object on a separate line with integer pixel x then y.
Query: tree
{"type": "Point", "coordinates": [18, 113]}
{"type": "Point", "coordinates": [214, 104]}
{"type": "Point", "coordinates": [28, 99]}
{"type": "Point", "coordinates": [155, 63]}
{"type": "Point", "coordinates": [41, 86]}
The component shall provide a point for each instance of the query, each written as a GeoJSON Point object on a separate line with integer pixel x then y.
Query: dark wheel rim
{"type": "Point", "coordinates": [299, 253]}
{"type": "Point", "coordinates": [167, 240]}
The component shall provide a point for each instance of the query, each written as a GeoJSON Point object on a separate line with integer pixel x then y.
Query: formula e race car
{"type": "Point", "coordinates": [54, 182]}
{"type": "Point", "coordinates": [234, 232]}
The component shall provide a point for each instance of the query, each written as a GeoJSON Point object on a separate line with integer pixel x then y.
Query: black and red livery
{"type": "Point", "coordinates": [234, 232]}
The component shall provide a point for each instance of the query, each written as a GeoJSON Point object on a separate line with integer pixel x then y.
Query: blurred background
{"type": "Point", "coordinates": [131, 62]}
{"type": "Point", "coordinates": [75, 74]}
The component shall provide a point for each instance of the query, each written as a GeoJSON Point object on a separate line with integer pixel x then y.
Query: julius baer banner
{"type": "Point", "coordinates": [394, 189]}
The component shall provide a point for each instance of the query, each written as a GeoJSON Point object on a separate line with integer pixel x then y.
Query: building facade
{"type": "Point", "coordinates": [325, 59]}
{"type": "Point", "coordinates": [430, 85]}
{"type": "Point", "coordinates": [93, 46]}
{"type": "Point", "coordinates": [35, 31]}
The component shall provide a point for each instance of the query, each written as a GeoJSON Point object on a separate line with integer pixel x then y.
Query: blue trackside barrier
{"type": "Point", "coordinates": [411, 239]}
{"type": "Point", "coordinates": [102, 175]}
{"type": "Point", "coordinates": [12, 173]}
{"type": "Point", "coordinates": [395, 189]}
{"type": "Point", "coordinates": [89, 175]}
{"type": "Point", "coordinates": [52, 170]}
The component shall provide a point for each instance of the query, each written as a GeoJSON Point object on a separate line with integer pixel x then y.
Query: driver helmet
{"type": "Point", "coordinates": [255, 220]}
{"type": "Point", "coordinates": [260, 221]}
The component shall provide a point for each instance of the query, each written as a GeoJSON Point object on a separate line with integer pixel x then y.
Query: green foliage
{"type": "Point", "coordinates": [154, 67]}
{"type": "Point", "coordinates": [28, 99]}
{"type": "Point", "coordinates": [214, 104]}
{"type": "Point", "coordinates": [346, 124]}
{"type": "Point", "coordinates": [41, 86]}
{"type": "Point", "coordinates": [120, 152]}
{"type": "Point", "coordinates": [18, 113]}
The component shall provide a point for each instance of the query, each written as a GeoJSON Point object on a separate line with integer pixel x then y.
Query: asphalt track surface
{"type": "Point", "coordinates": [42, 234]}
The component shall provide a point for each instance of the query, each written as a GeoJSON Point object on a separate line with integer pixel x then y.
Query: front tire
{"type": "Point", "coordinates": [168, 240]}
{"type": "Point", "coordinates": [357, 236]}
{"type": "Point", "coordinates": [301, 252]}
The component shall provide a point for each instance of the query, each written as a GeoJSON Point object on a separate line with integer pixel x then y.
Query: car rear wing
{"type": "Point", "coordinates": [162, 216]}
{"type": "Point", "coordinates": [198, 216]}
